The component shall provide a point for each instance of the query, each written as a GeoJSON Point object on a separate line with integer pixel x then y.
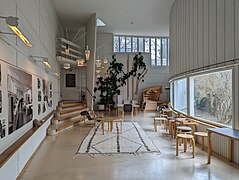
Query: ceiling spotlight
{"type": "Point", "coordinates": [66, 66]}
{"type": "Point", "coordinates": [56, 74]}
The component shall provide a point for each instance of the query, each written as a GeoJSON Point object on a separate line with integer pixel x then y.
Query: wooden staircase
{"type": "Point", "coordinates": [66, 116]}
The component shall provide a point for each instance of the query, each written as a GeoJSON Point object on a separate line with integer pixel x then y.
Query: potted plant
{"type": "Point", "coordinates": [116, 78]}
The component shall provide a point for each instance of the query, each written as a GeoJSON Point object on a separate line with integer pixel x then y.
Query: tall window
{"type": "Point", "coordinates": [180, 95]}
{"type": "Point", "coordinates": [157, 47]}
{"type": "Point", "coordinates": [213, 97]}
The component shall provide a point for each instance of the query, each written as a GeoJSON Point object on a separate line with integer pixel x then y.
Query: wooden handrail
{"type": "Point", "coordinates": [11, 150]}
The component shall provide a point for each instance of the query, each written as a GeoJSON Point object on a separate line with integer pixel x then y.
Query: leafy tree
{"type": "Point", "coordinates": [109, 86]}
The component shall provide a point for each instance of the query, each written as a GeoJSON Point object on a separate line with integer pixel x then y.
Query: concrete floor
{"type": "Point", "coordinates": [54, 160]}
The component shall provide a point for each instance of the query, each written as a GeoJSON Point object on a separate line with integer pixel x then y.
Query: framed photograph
{"type": "Point", "coordinates": [0, 101]}
{"type": "Point", "coordinates": [70, 80]}
{"type": "Point", "coordinates": [20, 110]}
{"type": "Point", "coordinates": [38, 83]}
{"type": "Point", "coordinates": [39, 96]}
{"type": "Point", "coordinates": [39, 109]}
{"type": "Point", "coordinates": [2, 128]}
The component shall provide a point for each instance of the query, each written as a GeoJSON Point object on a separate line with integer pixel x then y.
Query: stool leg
{"type": "Point", "coordinates": [176, 146]}
{"type": "Point", "coordinates": [155, 125]}
{"type": "Point", "coordinates": [202, 143]}
{"type": "Point", "coordinates": [185, 144]}
{"type": "Point", "coordinates": [121, 126]}
{"type": "Point", "coordinates": [193, 142]}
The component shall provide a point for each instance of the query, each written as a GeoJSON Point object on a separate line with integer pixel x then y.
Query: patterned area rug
{"type": "Point", "coordinates": [132, 140]}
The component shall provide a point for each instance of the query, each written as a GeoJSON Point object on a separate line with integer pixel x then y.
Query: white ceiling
{"type": "Point", "coordinates": [132, 17]}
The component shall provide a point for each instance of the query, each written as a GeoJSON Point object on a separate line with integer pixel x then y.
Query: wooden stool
{"type": "Point", "coordinates": [161, 121]}
{"type": "Point", "coordinates": [185, 137]}
{"type": "Point", "coordinates": [201, 134]}
{"type": "Point", "coordinates": [171, 126]}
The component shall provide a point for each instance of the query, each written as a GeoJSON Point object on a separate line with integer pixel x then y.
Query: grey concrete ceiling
{"type": "Point", "coordinates": [130, 17]}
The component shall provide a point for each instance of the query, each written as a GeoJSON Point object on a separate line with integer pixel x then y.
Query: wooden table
{"type": "Point", "coordinates": [110, 121]}
{"type": "Point", "coordinates": [230, 133]}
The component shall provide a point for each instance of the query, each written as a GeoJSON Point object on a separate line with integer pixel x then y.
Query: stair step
{"type": "Point", "coordinates": [73, 106]}
{"type": "Point", "coordinates": [72, 110]}
{"type": "Point", "coordinates": [56, 128]}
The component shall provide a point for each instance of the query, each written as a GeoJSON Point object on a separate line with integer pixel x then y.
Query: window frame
{"type": "Point", "coordinates": [155, 64]}
{"type": "Point", "coordinates": [190, 102]}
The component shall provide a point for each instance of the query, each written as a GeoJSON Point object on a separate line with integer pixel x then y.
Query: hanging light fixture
{"type": "Point", "coordinates": [102, 67]}
{"type": "Point", "coordinates": [106, 75]}
{"type": "Point", "coordinates": [80, 62]}
{"type": "Point", "coordinates": [87, 53]}
{"type": "Point", "coordinates": [98, 62]}
{"type": "Point", "coordinates": [67, 50]}
{"type": "Point", "coordinates": [66, 66]}
{"type": "Point", "coordinates": [56, 74]}
{"type": "Point", "coordinates": [98, 71]}
{"type": "Point", "coordinates": [105, 61]}
{"type": "Point", "coordinates": [98, 76]}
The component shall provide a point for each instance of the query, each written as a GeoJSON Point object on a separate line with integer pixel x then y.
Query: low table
{"type": "Point", "coordinates": [230, 133]}
{"type": "Point", "coordinates": [110, 121]}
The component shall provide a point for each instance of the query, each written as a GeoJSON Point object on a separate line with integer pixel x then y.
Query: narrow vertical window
{"type": "Point", "coordinates": [141, 44]}
{"type": "Point", "coordinates": [158, 52]}
{"type": "Point", "coordinates": [128, 44]}
{"type": "Point", "coordinates": [116, 43]}
{"type": "Point", "coordinates": [152, 48]}
{"type": "Point", "coordinates": [135, 44]}
{"type": "Point", "coordinates": [122, 44]}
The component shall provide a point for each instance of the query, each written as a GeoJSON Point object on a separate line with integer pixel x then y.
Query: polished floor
{"type": "Point", "coordinates": [54, 160]}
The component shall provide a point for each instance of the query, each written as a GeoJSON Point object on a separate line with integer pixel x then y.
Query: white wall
{"type": "Point", "coordinates": [40, 21]}
{"type": "Point", "coordinates": [202, 33]}
{"type": "Point", "coordinates": [154, 77]}
{"type": "Point", "coordinates": [69, 93]}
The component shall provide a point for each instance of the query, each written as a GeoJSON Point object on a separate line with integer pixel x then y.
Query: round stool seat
{"type": "Point", "coordinates": [203, 134]}
{"type": "Point", "coordinates": [160, 119]}
{"type": "Point", "coordinates": [185, 136]}
{"type": "Point", "coordinates": [171, 121]}
{"type": "Point", "coordinates": [184, 128]}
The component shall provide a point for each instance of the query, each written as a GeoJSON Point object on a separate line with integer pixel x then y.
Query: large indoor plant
{"type": "Point", "coordinates": [109, 86]}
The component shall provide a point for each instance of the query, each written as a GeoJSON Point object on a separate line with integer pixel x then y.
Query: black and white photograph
{"type": "Point", "coordinates": [39, 109]}
{"type": "Point", "coordinates": [38, 83]}
{"type": "Point", "coordinates": [39, 96]}
{"type": "Point", "coordinates": [0, 101]}
{"type": "Point", "coordinates": [2, 128]}
{"type": "Point", "coordinates": [19, 86]}
{"type": "Point", "coordinates": [70, 80]}
{"type": "Point", "coordinates": [46, 95]}
{"type": "Point", "coordinates": [50, 84]}
{"type": "Point", "coordinates": [0, 75]}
